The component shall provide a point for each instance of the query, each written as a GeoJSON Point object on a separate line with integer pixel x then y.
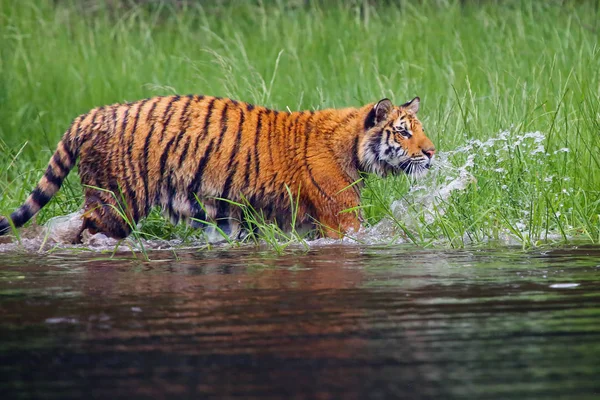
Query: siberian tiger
{"type": "Point", "coordinates": [187, 153]}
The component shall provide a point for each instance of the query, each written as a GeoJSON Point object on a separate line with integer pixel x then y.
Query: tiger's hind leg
{"type": "Point", "coordinates": [103, 214]}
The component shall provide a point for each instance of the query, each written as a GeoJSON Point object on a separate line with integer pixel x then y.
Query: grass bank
{"type": "Point", "coordinates": [510, 95]}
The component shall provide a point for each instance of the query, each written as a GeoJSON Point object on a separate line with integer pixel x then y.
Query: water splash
{"type": "Point", "coordinates": [61, 233]}
{"type": "Point", "coordinates": [63, 229]}
{"type": "Point", "coordinates": [426, 198]}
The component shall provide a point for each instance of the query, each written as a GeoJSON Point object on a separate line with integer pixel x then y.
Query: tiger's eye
{"type": "Point", "coordinates": [402, 133]}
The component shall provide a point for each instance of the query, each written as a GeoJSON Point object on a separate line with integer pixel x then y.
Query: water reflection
{"type": "Point", "coordinates": [346, 321]}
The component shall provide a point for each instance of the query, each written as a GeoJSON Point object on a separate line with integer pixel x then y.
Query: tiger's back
{"type": "Point", "coordinates": [186, 153]}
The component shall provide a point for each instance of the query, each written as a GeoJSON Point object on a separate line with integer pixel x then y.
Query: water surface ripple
{"type": "Point", "coordinates": [351, 322]}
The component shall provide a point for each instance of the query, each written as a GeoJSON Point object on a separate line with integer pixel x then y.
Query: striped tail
{"type": "Point", "coordinates": [60, 165]}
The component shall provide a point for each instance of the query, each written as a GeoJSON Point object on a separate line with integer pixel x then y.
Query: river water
{"type": "Point", "coordinates": [338, 321]}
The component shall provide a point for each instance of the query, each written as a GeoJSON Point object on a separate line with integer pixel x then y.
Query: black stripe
{"type": "Point", "coordinates": [69, 154]}
{"type": "Point", "coordinates": [184, 121]}
{"type": "Point", "coordinates": [302, 132]}
{"type": "Point", "coordinates": [111, 166]}
{"type": "Point", "coordinates": [167, 121]}
{"type": "Point", "coordinates": [186, 147]}
{"type": "Point", "coordinates": [134, 173]}
{"type": "Point", "coordinates": [249, 107]}
{"type": "Point", "coordinates": [63, 168]}
{"type": "Point", "coordinates": [256, 137]}
{"type": "Point", "coordinates": [298, 127]}
{"type": "Point", "coordinates": [309, 129]}
{"type": "Point", "coordinates": [164, 155]}
{"type": "Point", "coordinates": [52, 177]}
{"type": "Point", "coordinates": [195, 184]}
{"type": "Point", "coordinates": [312, 178]}
{"type": "Point", "coordinates": [121, 134]}
{"type": "Point", "coordinates": [210, 107]}
{"type": "Point", "coordinates": [288, 134]}
{"type": "Point", "coordinates": [271, 131]}
{"type": "Point", "coordinates": [40, 197]}
{"type": "Point", "coordinates": [124, 125]}
{"type": "Point", "coordinates": [21, 215]}
{"type": "Point", "coordinates": [202, 134]}
{"type": "Point", "coordinates": [128, 156]}
{"type": "Point", "coordinates": [227, 185]}
{"type": "Point", "coordinates": [240, 129]}
{"type": "Point", "coordinates": [224, 120]}
{"type": "Point", "coordinates": [145, 154]}
{"type": "Point", "coordinates": [125, 164]}
{"type": "Point", "coordinates": [233, 166]}
{"type": "Point", "coordinates": [247, 170]}
{"type": "Point", "coordinates": [135, 123]}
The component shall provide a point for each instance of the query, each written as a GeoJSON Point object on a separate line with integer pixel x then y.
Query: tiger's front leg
{"type": "Point", "coordinates": [336, 227]}
{"type": "Point", "coordinates": [337, 212]}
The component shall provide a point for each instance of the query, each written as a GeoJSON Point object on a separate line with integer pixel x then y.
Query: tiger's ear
{"type": "Point", "coordinates": [382, 109]}
{"type": "Point", "coordinates": [413, 105]}
{"type": "Point", "coordinates": [378, 113]}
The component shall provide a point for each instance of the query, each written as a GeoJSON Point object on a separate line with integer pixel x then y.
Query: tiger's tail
{"type": "Point", "coordinates": [61, 163]}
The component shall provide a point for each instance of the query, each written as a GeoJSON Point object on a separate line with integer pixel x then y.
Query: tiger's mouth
{"type": "Point", "coordinates": [415, 167]}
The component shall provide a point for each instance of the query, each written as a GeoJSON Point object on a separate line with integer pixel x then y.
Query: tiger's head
{"type": "Point", "coordinates": [394, 140]}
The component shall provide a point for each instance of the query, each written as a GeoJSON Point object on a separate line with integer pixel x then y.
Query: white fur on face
{"type": "Point", "coordinates": [384, 153]}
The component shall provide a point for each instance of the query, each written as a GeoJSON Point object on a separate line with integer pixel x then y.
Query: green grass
{"type": "Point", "coordinates": [480, 69]}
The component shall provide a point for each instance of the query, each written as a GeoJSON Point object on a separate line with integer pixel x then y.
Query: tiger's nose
{"type": "Point", "coordinates": [429, 152]}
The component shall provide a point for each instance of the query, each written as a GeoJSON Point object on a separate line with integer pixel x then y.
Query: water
{"type": "Point", "coordinates": [338, 321]}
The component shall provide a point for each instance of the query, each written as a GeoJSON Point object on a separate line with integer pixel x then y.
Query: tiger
{"type": "Point", "coordinates": [197, 156]}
